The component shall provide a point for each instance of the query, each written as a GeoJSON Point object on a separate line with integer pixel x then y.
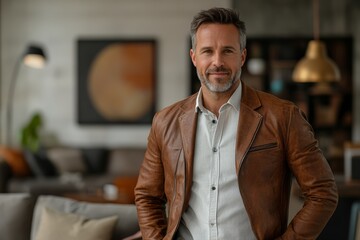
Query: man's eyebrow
{"type": "Point", "coordinates": [224, 48]}
{"type": "Point", "coordinates": [229, 47]}
{"type": "Point", "coordinates": [205, 48]}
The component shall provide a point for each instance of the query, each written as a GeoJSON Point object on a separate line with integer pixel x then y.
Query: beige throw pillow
{"type": "Point", "coordinates": [57, 225]}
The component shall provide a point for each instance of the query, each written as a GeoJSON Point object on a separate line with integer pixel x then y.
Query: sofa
{"type": "Point", "coordinates": [25, 217]}
{"type": "Point", "coordinates": [63, 169]}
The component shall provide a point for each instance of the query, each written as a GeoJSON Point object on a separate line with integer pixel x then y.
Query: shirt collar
{"type": "Point", "coordinates": [199, 107]}
{"type": "Point", "coordinates": [234, 100]}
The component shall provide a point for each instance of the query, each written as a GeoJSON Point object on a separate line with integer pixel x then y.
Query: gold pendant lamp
{"type": "Point", "coordinates": [316, 66]}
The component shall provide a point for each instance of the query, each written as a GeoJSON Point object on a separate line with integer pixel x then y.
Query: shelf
{"type": "Point", "coordinates": [328, 108]}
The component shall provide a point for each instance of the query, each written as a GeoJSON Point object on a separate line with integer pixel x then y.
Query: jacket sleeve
{"type": "Point", "coordinates": [149, 192]}
{"type": "Point", "coordinates": [314, 176]}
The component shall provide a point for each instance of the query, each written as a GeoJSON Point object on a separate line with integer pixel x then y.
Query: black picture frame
{"type": "Point", "coordinates": [116, 81]}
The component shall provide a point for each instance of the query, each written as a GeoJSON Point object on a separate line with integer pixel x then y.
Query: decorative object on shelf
{"type": "Point", "coordinates": [256, 64]}
{"type": "Point", "coordinates": [316, 66]}
{"type": "Point", "coordinates": [34, 56]}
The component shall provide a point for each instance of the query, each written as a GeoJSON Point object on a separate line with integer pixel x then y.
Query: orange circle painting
{"type": "Point", "coordinates": [120, 81]}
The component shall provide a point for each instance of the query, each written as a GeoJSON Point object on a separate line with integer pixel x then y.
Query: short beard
{"type": "Point", "coordinates": [219, 88]}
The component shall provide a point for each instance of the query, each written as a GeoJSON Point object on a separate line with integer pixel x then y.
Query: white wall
{"type": "Point", "coordinates": [57, 25]}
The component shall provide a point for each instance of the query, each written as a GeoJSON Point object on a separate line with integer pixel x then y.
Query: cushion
{"type": "Point", "coordinates": [125, 226]}
{"type": "Point", "coordinates": [40, 165]}
{"type": "Point", "coordinates": [16, 213]}
{"type": "Point", "coordinates": [5, 175]}
{"type": "Point", "coordinates": [67, 159]}
{"type": "Point", "coordinates": [95, 159]}
{"type": "Point", "coordinates": [56, 225]}
{"type": "Point", "coordinates": [125, 161]}
{"type": "Point", "coordinates": [16, 161]}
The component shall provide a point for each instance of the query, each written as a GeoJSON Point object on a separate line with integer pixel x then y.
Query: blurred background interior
{"type": "Point", "coordinates": [80, 81]}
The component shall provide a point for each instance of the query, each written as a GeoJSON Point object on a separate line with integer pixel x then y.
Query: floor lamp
{"type": "Point", "coordinates": [34, 56]}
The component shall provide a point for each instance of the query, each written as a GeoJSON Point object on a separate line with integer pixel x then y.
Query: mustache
{"type": "Point", "coordinates": [217, 69]}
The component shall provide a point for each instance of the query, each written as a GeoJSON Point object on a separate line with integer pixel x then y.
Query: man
{"type": "Point", "coordinates": [219, 164]}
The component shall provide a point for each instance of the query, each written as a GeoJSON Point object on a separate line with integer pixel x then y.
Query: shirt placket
{"type": "Point", "coordinates": [216, 131]}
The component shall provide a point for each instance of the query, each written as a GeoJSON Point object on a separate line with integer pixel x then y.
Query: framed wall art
{"type": "Point", "coordinates": [116, 81]}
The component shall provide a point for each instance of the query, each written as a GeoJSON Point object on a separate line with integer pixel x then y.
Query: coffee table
{"type": "Point", "coordinates": [98, 198]}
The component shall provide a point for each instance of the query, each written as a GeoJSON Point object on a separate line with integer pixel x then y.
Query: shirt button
{"type": "Point", "coordinates": [214, 149]}
{"type": "Point", "coordinates": [213, 188]}
{"type": "Point", "coordinates": [213, 121]}
{"type": "Point", "coordinates": [212, 224]}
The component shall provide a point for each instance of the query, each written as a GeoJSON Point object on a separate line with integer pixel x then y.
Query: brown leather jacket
{"type": "Point", "coordinates": [273, 141]}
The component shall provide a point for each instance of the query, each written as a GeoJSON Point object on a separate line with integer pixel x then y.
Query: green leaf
{"type": "Point", "coordinates": [30, 138]}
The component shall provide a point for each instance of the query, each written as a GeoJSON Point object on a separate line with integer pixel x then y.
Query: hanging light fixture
{"type": "Point", "coordinates": [316, 66]}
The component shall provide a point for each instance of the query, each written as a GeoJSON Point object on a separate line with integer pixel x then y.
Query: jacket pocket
{"type": "Point", "coordinates": [263, 147]}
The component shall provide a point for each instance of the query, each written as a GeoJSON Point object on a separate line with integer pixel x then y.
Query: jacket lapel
{"type": "Point", "coordinates": [249, 124]}
{"type": "Point", "coordinates": [187, 123]}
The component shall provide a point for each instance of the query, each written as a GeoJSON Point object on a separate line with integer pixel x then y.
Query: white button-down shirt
{"type": "Point", "coordinates": [216, 210]}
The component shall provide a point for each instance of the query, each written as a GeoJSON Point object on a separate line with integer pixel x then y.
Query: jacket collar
{"type": "Point", "coordinates": [249, 100]}
{"type": "Point", "coordinates": [250, 97]}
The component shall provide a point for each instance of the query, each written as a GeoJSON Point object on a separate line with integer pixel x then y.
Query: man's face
{"type": "Point", "coordinates": [217, 56]}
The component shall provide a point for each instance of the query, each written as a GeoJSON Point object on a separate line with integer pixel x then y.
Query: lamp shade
{"type": "Point", "coordinates": [34, 56]}
{"type": "Point", "coordinates": [316, 66]}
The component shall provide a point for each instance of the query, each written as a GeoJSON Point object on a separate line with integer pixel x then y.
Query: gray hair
{"type": "Point", "coordinates": [218, 15]}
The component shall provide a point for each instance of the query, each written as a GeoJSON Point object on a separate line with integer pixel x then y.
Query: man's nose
{"type": "Point", "coordinates": [218, 60]}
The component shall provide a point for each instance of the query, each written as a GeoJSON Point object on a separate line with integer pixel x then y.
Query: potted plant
{"type": "Point", "coordinates": [29, 136]}
{"type": "Point", "coordinates": [31, 144]}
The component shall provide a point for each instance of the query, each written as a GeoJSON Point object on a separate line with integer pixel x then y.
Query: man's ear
{"type": "Point", "coordinates": [243, 56]}
{"type": "Point", "coordinates": [192, 56]}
